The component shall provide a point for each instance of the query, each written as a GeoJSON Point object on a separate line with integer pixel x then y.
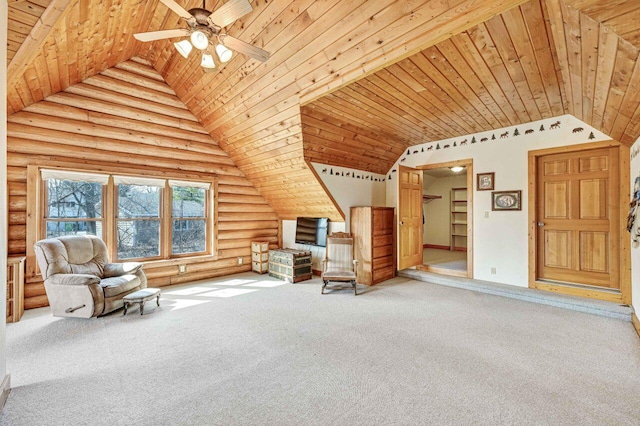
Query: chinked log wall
{"type": "Point", "coordinates": [129, 117]}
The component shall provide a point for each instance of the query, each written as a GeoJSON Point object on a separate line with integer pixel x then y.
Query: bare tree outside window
{"type": "Point", "coordinates": [73, 208]}
{"type": "Point", "coordinates": [189, 220]}
{"type": "Point", "coordinates": [138, 224]}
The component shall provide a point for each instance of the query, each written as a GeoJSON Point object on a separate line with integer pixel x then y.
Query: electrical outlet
{"type": "Point", "coordinates": [486, 215]}
{"type": "Point", "coordinates": [182, 268]}
{"type": "Point", "coordinates": [493, 270]}
{"type": "Point", "coordinates": [239, 261]}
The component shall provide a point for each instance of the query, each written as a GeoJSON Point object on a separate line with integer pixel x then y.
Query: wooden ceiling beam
{"type": "Point", "coordinates": [32, 45]}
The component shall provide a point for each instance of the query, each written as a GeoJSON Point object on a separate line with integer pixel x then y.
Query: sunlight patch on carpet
{"type": "Point", "coordinates": [227, 292]}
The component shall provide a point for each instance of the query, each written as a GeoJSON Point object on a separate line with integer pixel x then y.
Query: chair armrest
{"type": "Point", "coordinates": [119, 269]}
{"type": "Point", "coordinates": [355, 267]}
{"type": "Point", "coordinates": [73, 279]}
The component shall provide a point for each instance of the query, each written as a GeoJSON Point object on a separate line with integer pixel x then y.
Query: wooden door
{"type": "Point", "coordinates": [578, 217]}
{"type": "Point", "coordinates": [410, 217]}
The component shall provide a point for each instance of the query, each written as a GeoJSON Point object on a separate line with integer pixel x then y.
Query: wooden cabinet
{"type": "Point", "coordinates": [458, 218]}
{"type": "Point", "coordinates": [260, 256]}
{"type": "Point", "coordinates": [373, 243]}
{"type": "Point", "coordinates": [15, 288]}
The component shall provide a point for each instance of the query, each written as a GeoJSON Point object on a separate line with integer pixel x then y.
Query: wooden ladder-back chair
{"type": "Point", "coordinates": [339, 265]}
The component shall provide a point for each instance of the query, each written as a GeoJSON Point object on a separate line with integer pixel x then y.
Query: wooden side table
{"type": "Point", "coordinates": [15, 288]}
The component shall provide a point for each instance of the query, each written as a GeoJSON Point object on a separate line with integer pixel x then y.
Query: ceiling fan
{"type": "Point", "coordinates": [207, 29]}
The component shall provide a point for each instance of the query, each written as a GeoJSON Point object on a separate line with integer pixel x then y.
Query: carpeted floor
{"type": "Point", "coordinates": [245, 350]}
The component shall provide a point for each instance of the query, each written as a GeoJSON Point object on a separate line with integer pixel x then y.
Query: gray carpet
{"type": "Point", "coordinates": [238, 351]}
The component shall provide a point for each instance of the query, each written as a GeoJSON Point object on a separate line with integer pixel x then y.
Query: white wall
{"type": "Point", "coordinates": [501, 239]}
{"type": "Point", "coordinates": [365, 189]}
{"type": "Point", "coordinates": [635, 251]}
{"type": "Point", "coordinates": [3, 189]}
{"type": "Point", "coordinates": [437, 213]}
{"type": "Point", "coordinates": [317, 253]}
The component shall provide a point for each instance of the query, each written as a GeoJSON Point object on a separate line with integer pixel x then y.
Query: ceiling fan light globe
{"type": "Point", "coordinates": [223, 53]}
{"type": "Point", "coordinates": [207, 61]}
{"type": "Point", "coordinates": [183, 47]}
{"type": "Point", "coordinates": [199, 40]}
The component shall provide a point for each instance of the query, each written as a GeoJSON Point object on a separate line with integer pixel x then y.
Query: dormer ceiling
{"type": "Point", "coordinates": [431, 69]}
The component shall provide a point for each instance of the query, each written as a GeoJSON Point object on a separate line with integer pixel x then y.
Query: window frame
{"type": "Point", "coordinates": [208, 223]}
{"type": "Point", "coordinates": [113, 250]}
{"type": "Point", "coordinates": [36, 221]}
{"type": "Point", "coordinates": [44, 210]}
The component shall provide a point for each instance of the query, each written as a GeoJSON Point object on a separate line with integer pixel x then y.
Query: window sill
{"type": "Point", "coordinates": [187, 260]}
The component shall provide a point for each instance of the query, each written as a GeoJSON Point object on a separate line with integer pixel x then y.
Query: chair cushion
{"type": "Point", "coordinates": [117, 285]}
{"type": "Point", "coordinates": [338, 275]}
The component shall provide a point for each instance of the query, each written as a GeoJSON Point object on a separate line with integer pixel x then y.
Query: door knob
{"type": "Point", "coordinates": [401, 223]}
{"type": "Point", "coordinates": [540, 223]}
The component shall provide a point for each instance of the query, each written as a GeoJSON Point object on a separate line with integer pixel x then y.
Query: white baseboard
{"type": "Point", "coordinates": [5, 388]}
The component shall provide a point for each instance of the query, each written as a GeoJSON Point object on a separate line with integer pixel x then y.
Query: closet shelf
{"type": "Point", "coordinates": [428, 198]}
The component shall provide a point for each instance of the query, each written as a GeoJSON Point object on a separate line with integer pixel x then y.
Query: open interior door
{"type": "Point", "coordinates": [409, 217]}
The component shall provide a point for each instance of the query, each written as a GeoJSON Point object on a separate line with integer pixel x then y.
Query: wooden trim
{"type": "Point", "coordinates": [34, 206]}
{"type": "Point", "coordinates": [468, 163]}
{"type": "Point", "coordinates": [572, 148]}
{"type": "Point", "coordinates": [215, 214]}
{"type": "Point", "coordinates": [636, 323]}
{"type": "Point", "coordinates": [590, 292]}
{"type": "Point", "coordinates": [319, 179]}
{"type": "Point", "coordinates": [439, 247]}
{"type": "Point", "coordinates": [32, 45]}
{"type": "Point", "coordinates": [110, 238]}
{"type": "Point", "coordinates": [442, 271]}
{"type": "Point", "coordinates": [625, 245]}
{"type": "Point", "coordinates": [5, 389]}
{"type": "Point", "coordinates": [625, 240]}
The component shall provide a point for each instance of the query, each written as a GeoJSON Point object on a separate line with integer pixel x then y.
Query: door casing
{"type": "Point", "coordinates": [468, 164]}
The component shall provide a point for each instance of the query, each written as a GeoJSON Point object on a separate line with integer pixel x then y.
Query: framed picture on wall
{"type": "Point", "coordinates": [486, 181]}
{"type": "Point", "coordinates": [506, 200]}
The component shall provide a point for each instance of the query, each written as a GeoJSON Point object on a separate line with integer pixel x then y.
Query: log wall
{"type": "Point", "coordinates": [128, 118]}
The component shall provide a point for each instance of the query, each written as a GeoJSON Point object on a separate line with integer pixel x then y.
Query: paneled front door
{"type": "Point", "coordinates": [578, 217]}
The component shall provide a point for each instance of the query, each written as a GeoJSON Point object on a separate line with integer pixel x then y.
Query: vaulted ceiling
{"type": "Point", "coordinates": [456, 67]}
{"type": "Point", "coordinates": [542, 59]}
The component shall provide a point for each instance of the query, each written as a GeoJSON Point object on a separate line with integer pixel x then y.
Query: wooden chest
{"type": "Point", "coordinates": [290, 265]}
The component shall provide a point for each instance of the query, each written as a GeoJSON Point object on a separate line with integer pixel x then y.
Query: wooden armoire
{"type": "Point", "coordinates": [372, 229]}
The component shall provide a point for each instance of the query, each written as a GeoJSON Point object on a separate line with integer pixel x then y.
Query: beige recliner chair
{"type": "Point", "coordinates": [80, 281]}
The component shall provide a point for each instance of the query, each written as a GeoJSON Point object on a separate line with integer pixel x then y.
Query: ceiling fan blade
{"type": "Point", "coordinates": [229, 12]}
{"type": "Point", "coordinates": [159, 35]}
{"type": "Point", "coordinates": [245, 48]}
{"type": "Point", "coordinates": [177, 9]}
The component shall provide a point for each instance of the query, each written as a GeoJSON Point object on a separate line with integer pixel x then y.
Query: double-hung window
{"type": "Point", "coordinates": [138, 219]}
{"type": "Point", "coordinates": [73, 203]}
{"type": "Point", "coordinates": [188, 217]}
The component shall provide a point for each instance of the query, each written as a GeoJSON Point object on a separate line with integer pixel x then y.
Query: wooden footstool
{"type": "Point", "coordinates": [140, 297]}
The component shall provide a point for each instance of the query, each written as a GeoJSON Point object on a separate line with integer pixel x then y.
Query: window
{"type": "Point", "coordinates": [138, 223]}
{"type": "Point", "coordinates": [138, 217]}
{"type": "Point", "coordinates": [189, 219]}
{"type": "Point", "coordinates": [73, 204]}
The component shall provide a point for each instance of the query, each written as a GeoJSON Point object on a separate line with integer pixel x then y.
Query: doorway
{"type": "Point", "coordinates": [447, 218]}
{"type": "Point", "coordinates": [576, 221]}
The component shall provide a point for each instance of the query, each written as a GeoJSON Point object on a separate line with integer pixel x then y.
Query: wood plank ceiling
{"type": "Point", "coordinates": [23, 16]}
{"type": "Point", "coordinates": [486, 65]}
{"type": "Point", "coordinates": [539, 60]}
